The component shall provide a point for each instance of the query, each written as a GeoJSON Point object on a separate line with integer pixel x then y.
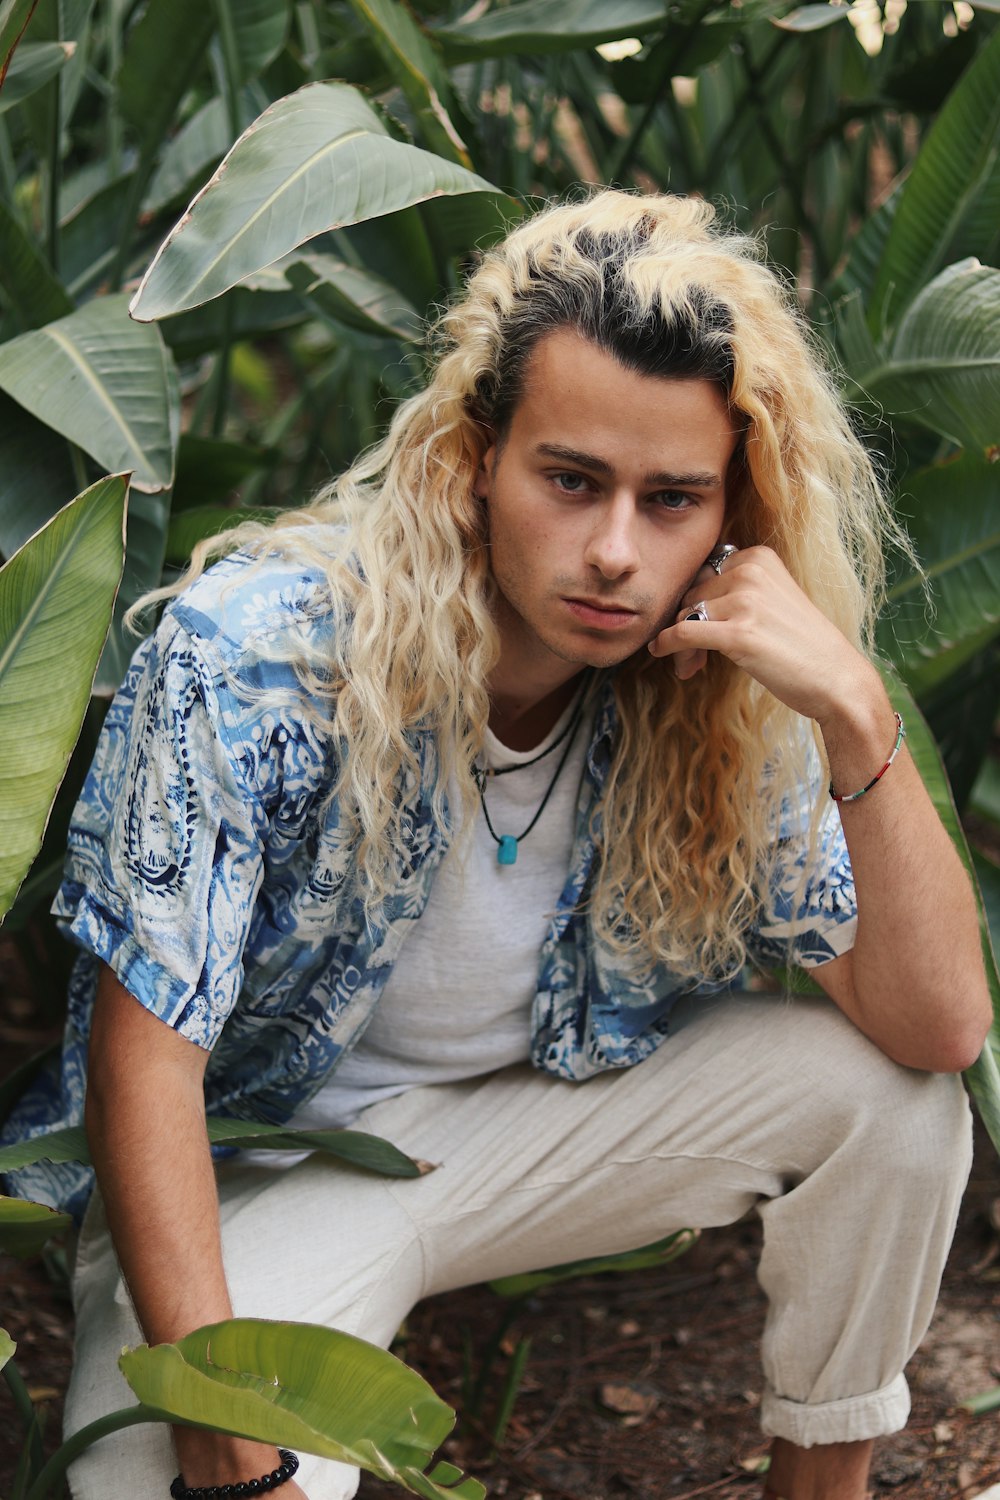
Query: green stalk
{"type": "Point", "coordinates": [54, 176]}
{"type": "Point", "coordinates": [673, 64]}
{"type": "Point", "coordinates": [231, 94]}
{"type": "Point", "coordinates": [71, 1449]}
{"type": "Point", "coordinates": [8, 167]}
{"type": "Point", "coordinates": [79, 467]}
{"type": "Point", "coordinates": [26, 1410]}
{"type": "Point", "coordinates": [114, 121]}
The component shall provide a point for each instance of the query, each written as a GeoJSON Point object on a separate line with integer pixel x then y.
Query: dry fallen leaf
{"type": "Point", "coordinates": [630, 1401]}
{"type": "Point", "coordinates": [943, 1432]}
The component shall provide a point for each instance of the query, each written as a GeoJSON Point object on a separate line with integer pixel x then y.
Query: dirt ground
{"type": "Point", "coordinates": [641, 1385]}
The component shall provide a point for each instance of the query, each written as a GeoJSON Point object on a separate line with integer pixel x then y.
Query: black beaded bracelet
{"type": "Point", "coordinates": [279, 1476]}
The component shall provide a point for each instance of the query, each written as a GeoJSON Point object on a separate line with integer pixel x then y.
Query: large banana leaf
{"type": "Point", "coordinates": [25, 1227]}
{"type": "Point", "coordinates": [14, 17]}
{"type": "Point", "coordinates": [198, 147]}
{"type": "Point", "coordinates": [31, 67]}
{"type": "Point", "coordinates": [356, 1148]}
{"type": "Point", "coordinates": [952, 513]}
{"type": "Point", "coordinates": [35, 295]}
{"type": "Point", "coordinates": [353, 296]}
{"type": "Point", "coordinates": [314, 161]}
{"type": "Point", "coordinates": [34, 473]}
{"type": "Point", "coordinates": [942, 368]}
{"type": "Point", "coordinates": [983, 1078]}
{"type": "Point", "coordinates": [419, 72]}
{"type": "Point", "coordinates": [537, 26]}
{"type": "Point", "coordinates": [164, 48]}
{"type": "Point", "coordinates": [950, 205]}
{"type": "Point", "coordinates": [307, 1387]}
{"type": "Point", "coordinates": [260, 28]}
{"type": "Point", "coordinates": [105, 383]}
{"type": "Point", "coordinates": [56, 598]}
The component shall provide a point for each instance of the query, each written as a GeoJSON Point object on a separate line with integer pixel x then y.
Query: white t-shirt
{"type": "Point", "coordinates": [458, 1001]}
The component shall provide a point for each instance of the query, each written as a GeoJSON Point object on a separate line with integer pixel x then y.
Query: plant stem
{"type": "Point", "coordinates": [8, 168]}
{"type": "Point", "coordinates": [114, 119]}
{"type": "Point", "coordinates": [26, 1409]}
{"type": "Point", "coordinates": [60, 1461]}
{"type": "Point", "coordinates": [79, 468]}
{"type": "Point", "coordinates": [54, 177]}
{"type": "Point", "coordinates": [671, 67]}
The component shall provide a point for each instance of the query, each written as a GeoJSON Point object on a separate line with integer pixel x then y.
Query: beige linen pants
{"type": "Point", "coordinates": [855, 1165]}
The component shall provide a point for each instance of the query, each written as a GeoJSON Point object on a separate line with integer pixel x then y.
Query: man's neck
{"type": "Point", "coordinates": [522, 720]}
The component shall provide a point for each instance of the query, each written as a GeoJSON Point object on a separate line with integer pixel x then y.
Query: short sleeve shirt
{"type": "Point", "coordinates": [210, 866]}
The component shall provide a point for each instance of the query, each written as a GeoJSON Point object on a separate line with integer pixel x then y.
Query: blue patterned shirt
{"type": "Point", "coordinates": [210, 869]}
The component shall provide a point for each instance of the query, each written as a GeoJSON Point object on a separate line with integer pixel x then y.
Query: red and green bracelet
{"type": "Point", "coordinates": [853, 796]}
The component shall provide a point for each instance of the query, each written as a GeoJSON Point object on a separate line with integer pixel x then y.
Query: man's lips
{"type": "Point", "coordinates": [605, 615]}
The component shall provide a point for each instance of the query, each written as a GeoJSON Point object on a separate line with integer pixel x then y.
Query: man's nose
{"type": "Point", "coordinates": [613, 545]}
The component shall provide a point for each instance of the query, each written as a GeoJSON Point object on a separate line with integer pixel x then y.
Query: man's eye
{"type": "Point", "coordinates": [674, 499]}
{"type": "Point", "coordinates": [573, 484]}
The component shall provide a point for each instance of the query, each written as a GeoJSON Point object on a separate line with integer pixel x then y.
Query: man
{"type": "Point", "coordinates": [441, 805]}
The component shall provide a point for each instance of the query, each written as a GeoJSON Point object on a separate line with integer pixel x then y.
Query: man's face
{"type": "Point", "coordinates": [604, 501]}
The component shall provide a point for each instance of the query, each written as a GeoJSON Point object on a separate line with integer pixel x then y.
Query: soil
{"type": "Point", "coordinates": [644, 1384]}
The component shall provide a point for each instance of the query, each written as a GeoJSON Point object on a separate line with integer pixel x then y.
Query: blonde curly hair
{"type": "Point", "coordinates": [686, 826]}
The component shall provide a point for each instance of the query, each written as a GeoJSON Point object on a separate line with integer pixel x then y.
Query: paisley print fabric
{"type": "Point", "coordinates": [211, 868]}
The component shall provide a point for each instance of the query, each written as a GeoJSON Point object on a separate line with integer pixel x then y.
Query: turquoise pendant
{"type": "Point", "coordinates": [507, 850]}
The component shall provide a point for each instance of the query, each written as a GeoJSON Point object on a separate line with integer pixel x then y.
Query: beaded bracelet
{"type": "Point", "coordinates": [279, 1476]}
{"type": "Point", "coordinates": [853, 796]}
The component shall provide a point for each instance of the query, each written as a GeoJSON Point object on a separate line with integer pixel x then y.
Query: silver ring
{"type": "Point", "coordinates": [700, 612]}
{"type": "Point", "coordinates": [718, 556]}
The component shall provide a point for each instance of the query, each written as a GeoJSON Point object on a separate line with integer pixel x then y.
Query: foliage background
{"type": "Point", "coordinates": [861, 141]}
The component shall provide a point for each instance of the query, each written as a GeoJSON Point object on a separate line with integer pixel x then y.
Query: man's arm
{"type": "Point", "coordinates": [145, 1117]}
{"type": "Point", "coordinates": [914, 982]}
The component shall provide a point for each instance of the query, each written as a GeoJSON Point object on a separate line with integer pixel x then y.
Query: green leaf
{"type": "Point", "coordinates": [985, 799]}
{"type": "Point", "coordinates": [105, 383]}
{"type": "Point", "coordinates": [538, 26]}
{"type": "Point", "coordinates": [950, 205]}
{"type": "Point", "coordinates": [983, 1078]}
{"type": "Point", "coordinates": [164, 49]}
{"type": "Point", "coordinates": [354, 297]}
{"type": "Point", "coordinates": [31, 67]}
{"type": "Point", "coordinates": [36, 296]}
{"type": "Point", "coordinates": [261, 27]}
{"type": "Point", "coordinates": [356, 1148]}
{"type": "Point", "coordinates": [315, 161]}
{"type": "Point", "coordinates": [56, 598]}
{"type": "Point", "coordinates": [810, 18]}
{"type": "Point", "coordinates": [988, 876]}
{"type": "Point", "coordinates": [198, 146]}
{"type": "Point", "coordinates": [942, 368]}
{"type": "Point", "coordinates": [90, 234]}
{"type": "Point", "coordinates": [25, 1227]}
{"type": "Point", "coordinates": [252, 313]}
{"type": "Point", "coordinates": [145, 548]}
{"type": "Point", "coordinates": [985, 1401]}
{"type": "Point", "coordinates": [210, 469]}
{"type": "Point", "coordinates": [304, 1386]}
{"type": "Point", "coordinates": [35, 475]}
{"type": "Point", "coordinates": [418, 71]}
{"type": "Point", "coordinates": [14, 17]}
{"type": "Point", "coordinates": [952, 512]}
{"type": "Point", "coordinates": [866, 250]}
{"type": "Point", "coordinates": [189, 527]}
{"type": "Point", "coordinates": [658, 1254]}
{"type": "Point", "coordinates": [7, 1347]}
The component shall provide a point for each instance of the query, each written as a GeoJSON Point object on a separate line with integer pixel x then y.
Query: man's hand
{"type": "Point", "coordinates": [760, 618]}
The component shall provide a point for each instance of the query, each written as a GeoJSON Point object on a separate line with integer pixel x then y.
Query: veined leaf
{"type": "Point", "coordinates": [551, 26]}
{"type": "Point", "coordinates": [56, 598]}
{"type": "Point", "coordinates": [35, 475]}
{"type": "Point", "coordinates": [421, 75]}
{"type": "Point", "coordinates": [25, 1227]}
{"type": "Point", "coordinates": [354, 297]}
{"type": "Point", "coordinates": [14, 17]}
{"type": "Point", "coordinates": [261, 27]}
{"type": "Point", "coordinates": [105, 383]}
{"type": "Point", "coordinates": [315, 161]}
{"type": "Point", "coordinates": [950, 205]}
{"type": "Point", "coordinates": [36, 295]}
{"type": "Point", "coordinates": [200, 144]}
{"type": "Point", "coordinates": [164, 48]}
{"type": "Point", "coordinates": [312, 1388]}
{"type": "Point", "coordinates": [31, 67]}
{"type": "Point", "coordinates": [189, 527]}
{"type": "Point", "coordinates": [357, 1148]}
{"type": "Point", "coordinates": [658, 1254]}
{"type": "Point", "coordinates": [942, 368]}
{"type": "Point", "coordinates": [953, 515]}
{"type": "Point", "coordinates": [983, 1077]}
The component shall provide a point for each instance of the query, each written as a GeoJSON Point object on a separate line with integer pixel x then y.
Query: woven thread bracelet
{"type": "Point", "coordinates": [853, 796]}
{"type": "Point", "coordinates": [277, 1477]}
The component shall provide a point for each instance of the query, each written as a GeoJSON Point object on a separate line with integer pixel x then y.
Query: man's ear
{"type": "Point", "coordinates": [484, 473]}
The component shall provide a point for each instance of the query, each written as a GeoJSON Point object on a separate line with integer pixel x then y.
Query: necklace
{"type": "Point", "coordinates": [507, 842]}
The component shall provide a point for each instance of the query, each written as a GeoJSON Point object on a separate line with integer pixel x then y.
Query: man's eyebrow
{"type": "Point", "coordinates": [702, 480]}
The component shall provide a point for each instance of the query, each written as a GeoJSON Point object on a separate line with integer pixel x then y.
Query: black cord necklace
{"type": "Point", "coordinates": [507, 842]}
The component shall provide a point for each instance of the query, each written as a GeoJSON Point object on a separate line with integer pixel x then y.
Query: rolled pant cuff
{"type": "Point", "coordinates": [851, 1420]}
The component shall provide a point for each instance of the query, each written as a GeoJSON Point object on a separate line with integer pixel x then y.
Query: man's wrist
{"type": "Point", "coordinates": [858, 732]}
{"type": "Point", "coordinates": [207, 1458]}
